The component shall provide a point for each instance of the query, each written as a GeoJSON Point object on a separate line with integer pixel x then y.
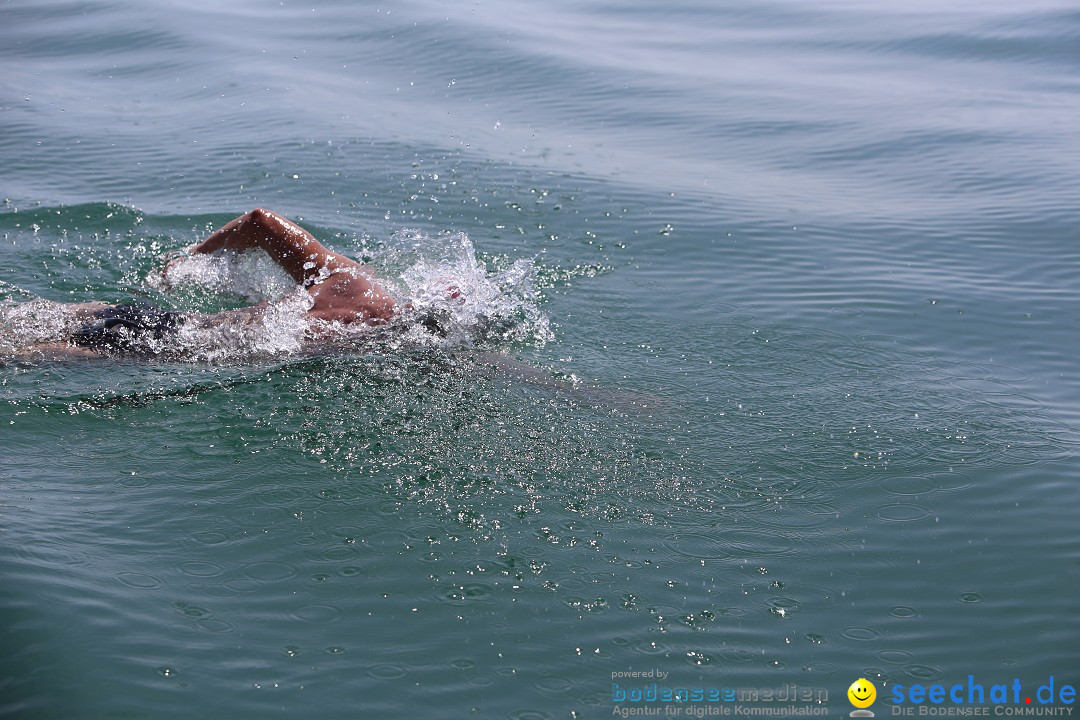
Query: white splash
{"type": "Point", "coordinates": [448, 287]}
{"type": "Point", "coordinates": [23, 324]}
{"type": "Point", "coordinates": [252, 275]}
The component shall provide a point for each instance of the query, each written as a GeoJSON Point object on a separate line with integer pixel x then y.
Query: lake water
{"type": "Point", "coordinates": [789, 398]}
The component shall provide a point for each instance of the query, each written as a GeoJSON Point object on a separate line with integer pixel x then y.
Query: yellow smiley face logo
{"type": "Point", "coordinates": [862, 693]}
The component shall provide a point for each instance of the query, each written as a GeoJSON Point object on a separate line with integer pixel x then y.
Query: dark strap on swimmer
{"type": "Point", "coordinates": [126, 328]}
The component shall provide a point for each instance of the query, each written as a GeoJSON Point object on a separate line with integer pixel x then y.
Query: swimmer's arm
{"type": "Point", "coordinates": [291, 246]}
{"type": "Point", "coordinates": [346, 296]}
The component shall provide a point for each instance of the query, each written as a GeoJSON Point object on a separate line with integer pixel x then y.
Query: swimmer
{"type": "Point", "coordinates": [340, 290]}
{"type": "Point", "coordinates": [342, 297]}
